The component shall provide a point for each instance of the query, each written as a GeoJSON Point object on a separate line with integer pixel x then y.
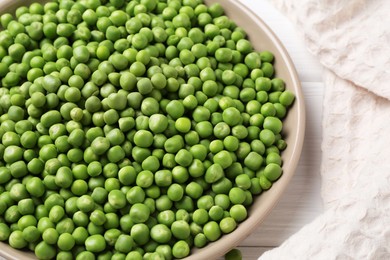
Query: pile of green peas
{"type": "Point", "coordinates": [132, 129]}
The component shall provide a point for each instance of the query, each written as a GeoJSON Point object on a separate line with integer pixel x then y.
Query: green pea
{"type": "Point", "coordinates": [266, 56]}
{"type": "Point", "coordinates": [139, 213]}
{"type": "Point", "coordinates": [211, 230]}
{"type": "Point", "coordinates": [50, 236]}
{"type": "Point", "coordinates": [85, 203]}
{"type": "Point", "coordinates": [272, 171]}
{"type": "Point", "coordinates": [160, 233]}
{"type": "Point", "coordinates": [238, 212]}
{"type": "Point", "coordinates": [183, 158]}
{"type": "Point", "coordinates": [115, 154]}
{"type": "Point", "coordinates": [65, 242]}
{"type": "Point", "coordinates": [99, 195]}
{"type": "Point", "coordinates": [253, 161]}
{"type": "Point", "coordinates": [267, 137]}
{"type": "Point", "coordinates": [180, 249]}
{"type": "Point", "coordinates": [50, 118]}
{"type": "Point", "coordinates": [44, 250]}
{"type": "Point", "coordinates": [175, 192]}
{"type": "Point", "coordinates": [223, 158]}
{"type": "Point", "coordinates": [214, 173]}
{"type": "Point", "coordinates": [143, 138]}
{"type": "Point", "coordinates": [95, 243]}
{"type": "Point", "coordinates": [31, 234]}
{"type": "Point", "coordinates": [234, 254]}
{"type": "Point", "coordinates": [286, 98]}
{"type": "Point", "coordinates": [175, 109]}
{"type": "Point", "coordinates": [117, 199]}
{"type": "Point", "coordinates": [180, 229]}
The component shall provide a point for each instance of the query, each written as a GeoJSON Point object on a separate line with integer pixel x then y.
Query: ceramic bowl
{"type": "Point", "coordinates": [262, 38]}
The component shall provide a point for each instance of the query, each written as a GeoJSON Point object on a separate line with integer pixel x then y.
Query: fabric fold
{"type": "Point", "coordinates": [351, 39]}
{"type": "Point", "coordinates": [355, 179]}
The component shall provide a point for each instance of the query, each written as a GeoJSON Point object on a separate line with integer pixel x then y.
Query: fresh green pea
{"type": "Point", "coordinates": [117, 199]}
{"type": "Point", "coordinates": [272, 171]}
{"type": "Point", "coordinates": [180, 249]}
{"type": "Point", "coordinates": [95, 243]}
{"type": "Point", "coordinates": [124, 243]}
{"type": "Point", "coordinates": [139, 213]}
{"type": "Point", "coordinates": [214, 173]}
{"type": "Point", "coordinates": [286, 98]}
{"type": "Point", "coordinates": [161, 233]}
{"type": "Point", "coordinates": [216, 213]}
{"type": "Point", "coordinates": [44, 250]}
{"type": "Point", "coordinates": [238, 212]}
{"type": "Point", "coordinates": [175, 192]}
{"type": "Point", "coordinates": [212, 230]}
{"type": "Point", "coordinates": [234, 254]}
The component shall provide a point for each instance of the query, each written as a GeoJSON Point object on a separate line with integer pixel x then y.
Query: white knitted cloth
{"type": "Point", "coordinates": [351, 38]}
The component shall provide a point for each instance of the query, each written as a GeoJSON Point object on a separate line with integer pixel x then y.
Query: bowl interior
{"type": "Point", "coordinates": [262, 38]}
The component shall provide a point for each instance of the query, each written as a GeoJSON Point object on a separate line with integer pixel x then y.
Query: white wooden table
{"type": "Point", "coordinates": [301, 202]}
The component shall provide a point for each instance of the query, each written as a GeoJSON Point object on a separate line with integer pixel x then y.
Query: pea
{"type": "Point", "coordinates": [117, 199]}
{"type": "Point", "coordinates": [211, 230]}
{"type": "Point", "coordinates": [64, 177]}
{"type": "Point", "coordinates": [100, 145]}
{"type": "Point", "coordinates": [65, 242]}
{"type": "Point", "coordinates": [85, 255]}
{"type": "Point", "coordinates": [95, 243]}
{"type": "Point", "coordinates": [44, 251]}
{"type": "Point", "coordinates": [175, 192]}
{"type": "Point", "coordinates": [56, 213]}
{"type": "Point", "coordinates": [180, 249]}
{"type": "Point", "coordinates": [233, 254]}
{"type": "Point", "coordinates": [196, 169]}
{"type": "Point", "coordinates": [161, 233]}
{"type": "Point", "coordinates": [272, 171]}
{"type": "Point", "coordinates": [183, 158]}
{"type": "Point", "coordinates": [180, 229]}
{"type": "Point", "coordinates": [214, 173]}
{"type": "Point", "coordinates": [139, 213]}
{"type": "Point", "coordinates": [5, 232]}
{"type": "Point", "coordinates": [31, 234]}
{"type": "Point", "coordinates": [175, 109]}
{"type": "Point", "coordinates": [273, 123]}
{"type": "Point", "coordinates": [216, 213]}
{"type": "Point", "coordinates": [223, 158]}
{"type": "Point", "coordinates": [115, 154]}
{"type": "Point", "coordinates": [140, 233]}
{"type": "Point", "coordinates": [286, 98]}
{"type": "Point", "coordinates": [183, 124]}
{"type": "Point", "coordinates": [124, 243]}
{"type": "Point", "coordinates": [267, 137]}
{"type": "Point", "coordinates": [238, 212]}
{"type": "Point", "coordinates": [143, 138]}
{"type": "Point", "coordinates": [85, 203]}
{"type": "Point", "coordinates": [5, 175]}
{"type": "Point", "coordinates": [50, 236]}
{"type": "Point", "coordinates": [204, 129]}
{"type": "Point", "coordinates": [18, 192]}
{"type": "Point", "coordinates": [222, 200]}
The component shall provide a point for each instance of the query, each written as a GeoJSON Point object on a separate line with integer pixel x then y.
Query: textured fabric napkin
{"type": "Point", "coordinates": [351, 38]}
